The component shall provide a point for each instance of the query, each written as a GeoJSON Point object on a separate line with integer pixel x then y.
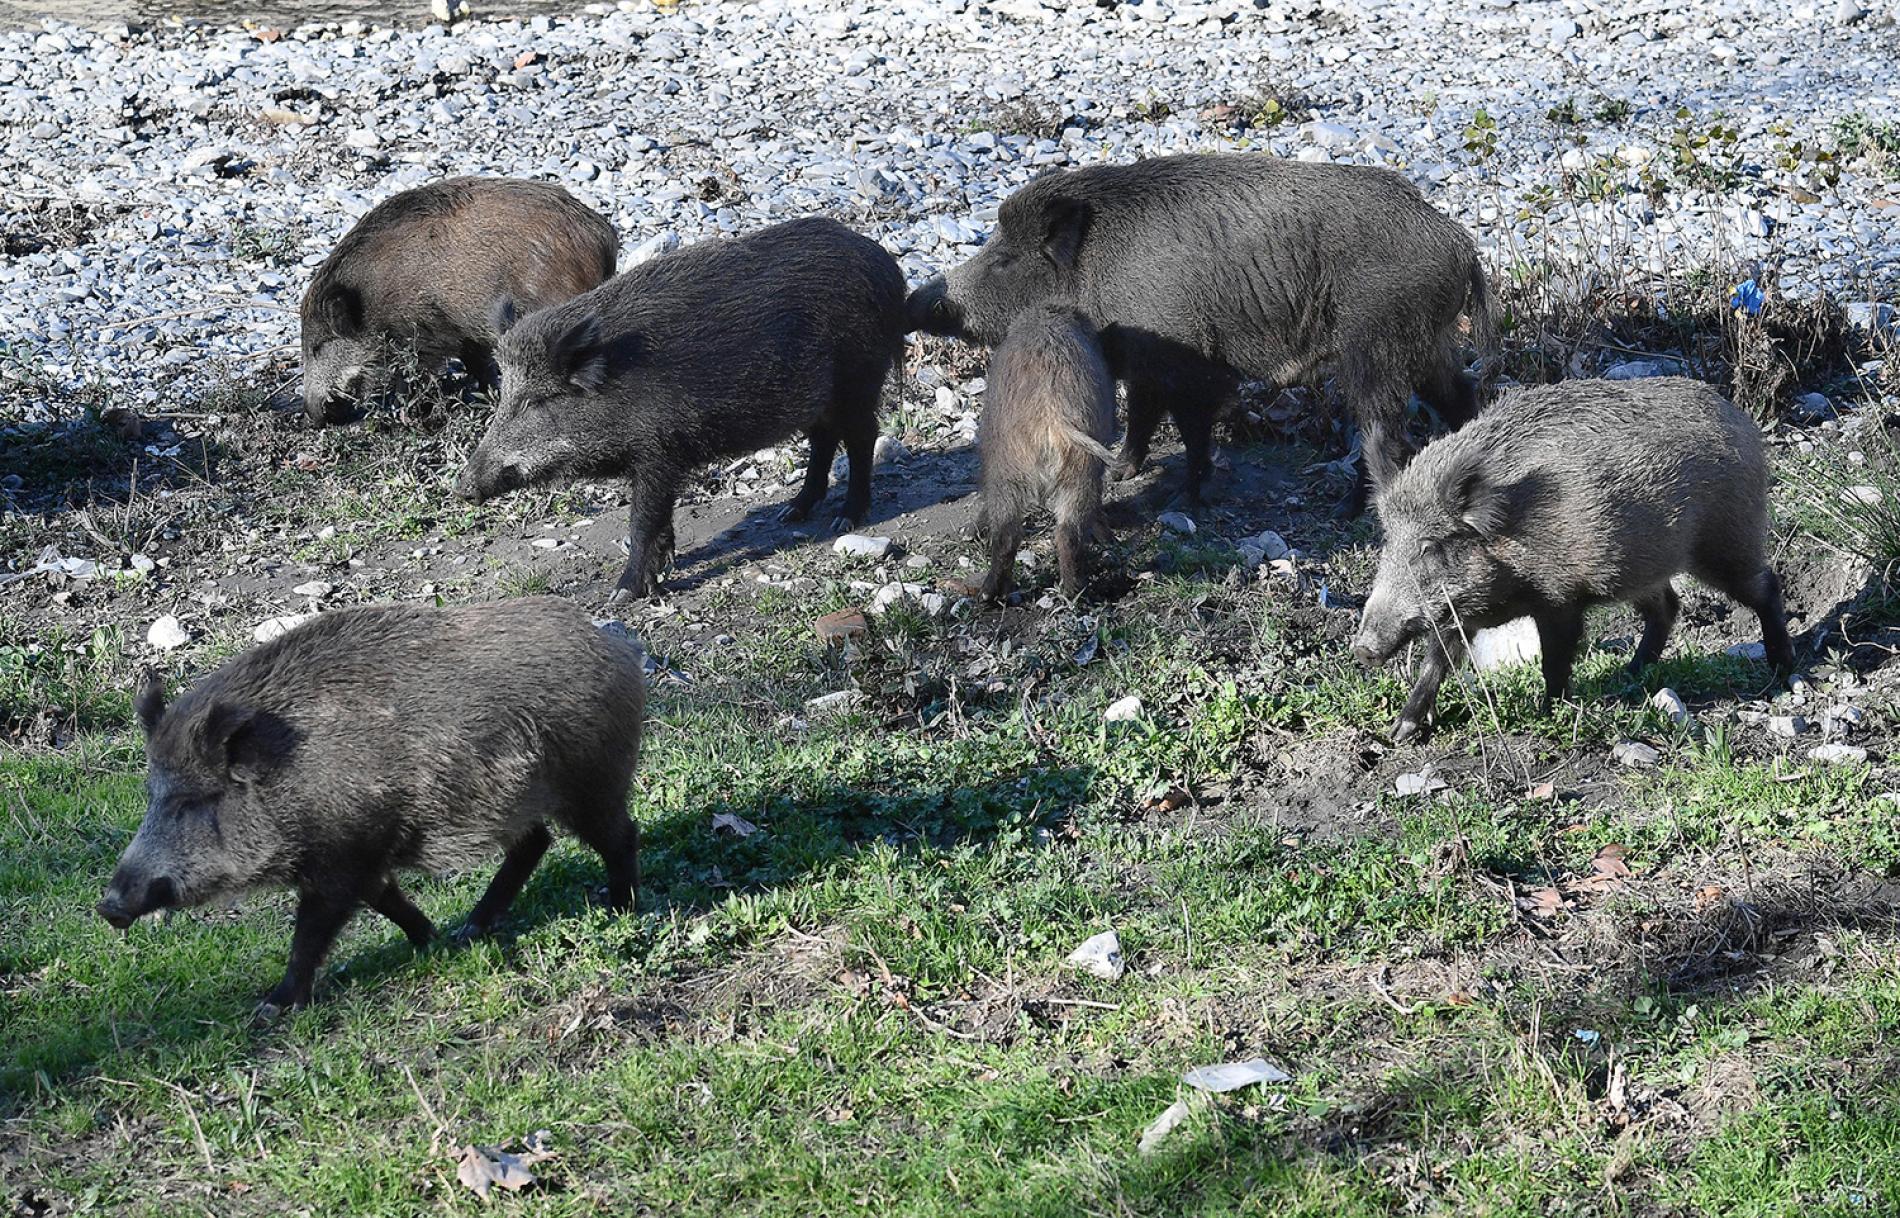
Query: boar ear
{"type": "Point", "coordinates": [341, 309]}
{"type": "Point", "coordinates": [149, 699]}
{"type": "Point", "coordinates": [1482, 504]}
{"type": "Point", "coordinates": [503, 315]}
{"type": "Point", "coordinates": [244, 742]}
{"type": "Point", "coordinates": [584, 360]}
{"type": "Point", "coordinates": [1065, 222]}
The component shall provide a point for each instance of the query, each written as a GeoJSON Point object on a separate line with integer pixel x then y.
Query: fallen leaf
{"type": "Point", "coordinates": [1542, 902]}
{"type": "Point", "coordinates": [1231, 1076]}
{"type": "Point", "coordinates": [1543, 792]}
{"type": "Point", "coordinates": [738, 826]}
{"type": "Point", "coordinates": [1709, 896]}
{"type": "Point", "coordinates": [483, 1167]}
{"type": "Point", "coordinates": [1609, 862]}
{"type": "Point", "coordinates": [527, 59]}
{"type": "Point", "coordinates": [1164, 1125]}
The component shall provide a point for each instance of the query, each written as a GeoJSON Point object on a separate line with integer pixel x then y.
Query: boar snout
{"type": "Point", "coordinates": [486, 478]}
{"type": "Point", "coordinates": [130, 898]}
{"type": "Point", "coordinates": [929, 309]}
{"type": "Point", "coordinates": [1383, 629]}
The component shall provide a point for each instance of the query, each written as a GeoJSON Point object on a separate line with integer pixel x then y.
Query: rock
{"type": "Point", "coordinates": [1101, 956]}
{"type": "Point", "coordinates": [828, 706]}
{"type": "Point", "coordinates": [1505, 646]}
{"type": "Point", "coordinates": [142, 564]}
{"type": "Point", "coordinates": [166, 634]}
{"type": "Point", "coordinates": [1862, 496]}
{"type": "Point", "coordinates": [857, 545]}
{"type": "Point", "coordinates": [1123, 710]}
{"type": "Point", "coordinates": [1871, 315]}
{"type": "Point", "coordinates": [1848, 12]}
{"type": "Point", "coordinates": [1813, 408]}
{"type": "Point", "coordinates": [652, 247]}
{"type": "Point", "coordinates": [1424, 782]}
{"type": "Point", "coordinates": [1176, 522]}
{"type": "Point", "coordinates": [1331, 136]}
{"type": "Point", "coordinates": [839, 626]}
{"type": "Point", "coordinates": [1842, 720]}
{"type": "Point", "coordinates": [1787, 726]}
{"type": "Point", "coordinates": [1635, 754]}
{"type": "Point", "coordinates": [1838, 754]}
{"type": "Point", "coordinates": [277, 627]}
{"type": "Point", "coordinates": [888, 450]}
{"type": "Point", "coordinates": [1747, 651]}
{"type": "Point", "coordinates": [1635, 370]}
{"type": "Point", "coordinates": [1800, 689]}
{"type": "Point", "coordinates": [362, 139]}
{"type": "Point", "coordinates": [1563, 30]}
{"type": "Point", "coordinates": [1670, 703]}
{"type": "Point", "coordinates": [314, 589]}
{"type": "Point", "coordinates": [449, 11]}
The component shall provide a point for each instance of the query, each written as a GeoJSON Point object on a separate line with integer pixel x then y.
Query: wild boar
{"type": "Point", "coordinates": [1561, 497]}
{"type": "Point", "coordinates": [717, 350]}
{"type": "Point", "coordinates": [1048, 419]}
{"type": "Point", "coordinates": [383, 738]}
{"type": "Point", "coordinates": [1200, 269]}
{"type": "Point", "coordinates": [424, 268]}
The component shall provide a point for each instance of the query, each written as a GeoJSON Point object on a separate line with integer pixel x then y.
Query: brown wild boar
{"type": "Point", "coordinates": [1048, 419]}
{"type": "Point", "coordinates": [383, 738]}
{"type": "Point", "coordinates": [1561, 497]}
{"type": "Point", "coordinates": [425, 268]}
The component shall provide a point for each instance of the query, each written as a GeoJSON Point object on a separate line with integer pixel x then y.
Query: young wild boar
{"type": "Point", "coordinates": [714, 351]}
{"type": "Point", "coordinates": [1048, 418]}
{"type": "Point", "coordinates": [1200, 269]}
{"type": "Point", "coordinates": [424, 268]}
{"type": "Point", "coordinates": [1560, 497]}
{"type": "Point", "coordinates": [383, 738]}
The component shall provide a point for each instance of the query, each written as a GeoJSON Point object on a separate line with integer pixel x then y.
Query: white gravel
{"type": "Point", "coordinates": [197, 151]}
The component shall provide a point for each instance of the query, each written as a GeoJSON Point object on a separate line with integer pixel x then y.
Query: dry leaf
{"type": "Point", "coordinates": [483, 1167]}
{"type": "Point", "coordinates": [738, 826]}
{"type": "Point", "coordinates": [1542, 902]}
{"type": "Point", "coordinates": [1543, 792]}
{"type": "Point", "coordinates": [1709, 896]}
{"type": "Point", "coordinates": [526, 59]}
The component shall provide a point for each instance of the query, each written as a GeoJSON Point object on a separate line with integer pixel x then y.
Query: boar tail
{"type": "Point", "coordinates": [1479, 306]}
{"type": "Point", "coordinates": [1089, 444]}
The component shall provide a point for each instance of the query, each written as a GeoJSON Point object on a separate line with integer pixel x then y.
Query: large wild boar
{"type": "Point", "coordinates": [424, 268]}
{"type": "Point", "coordinates": [714, 351]}
{"type": "Point", "coordinates": [1561, 497]}
{"type": "Point", "coordinates": [383, 738]}
{"type": "Point", "coordinates": [1200, 269]}
{"type": "Point", "coordinates": [1048, 419]}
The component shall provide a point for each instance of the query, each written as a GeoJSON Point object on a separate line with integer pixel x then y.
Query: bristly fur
{"type": "Point", "coordinates": [385, 738]}
{"type": "Point", "coordinates": [425, 267]}
{"type": "Point", "coordinates": [1564, 496]}
{"type": "Point", "coordinates": [1200, 269]}
{"type": "Point", "coordinates": [1048, 418]}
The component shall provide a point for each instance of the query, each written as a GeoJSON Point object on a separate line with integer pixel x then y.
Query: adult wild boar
{"type": "Point", "coordinates": [717, 350]}
{"type": "Point", "coordinates": [1200, 269]}
{"type": "Point", "coordinates": [424, 268]}
{"type": "Point", "coordinates": [383, 738]}
{"type": "Point", "coordinates": [1048, 418]}
{"type": "Point", "coordinates": [1561, 497]}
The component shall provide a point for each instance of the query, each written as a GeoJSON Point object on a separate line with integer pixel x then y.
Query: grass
{"type": "Point", "coordinates": [863, 1005]}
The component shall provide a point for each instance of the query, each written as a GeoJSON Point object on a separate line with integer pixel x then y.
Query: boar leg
{"type": "Point", "coordinates": [1559, 631]}
{"type": "Point", "coordinates": [824, 446]}
{"type": "Point", "coordinates": [613, 835]}
{"type": "Point", "coordinates": [321, 914]}
{"type": "Point", "coordinates": [1005, 518]}
{"type": "Point", "coordinates": [478, 361]}
{"type": "Point", "coordinates": [1145, 408]}
{"type": "Point", "coordinates": [1078, 507]}
{"type": "Point", "coordinates": [393, 903]}
{"type": "Point", "coordinates": [1441, 653]}
{"type": "Point", "coordinates": [1659, 610]}
{"type": "Point", "coordinates": [1763, 595]}
{"type": "Point", "coordinates": [1450, 393]}
{"type": "Point", "coordinates": [860, 446]}
{"type": "Point", "coordinates": [1196, 424]}
{"type": "Point", "coordinates": [516, 866]}
{"type": "Point", "coordinates": [648, 521]}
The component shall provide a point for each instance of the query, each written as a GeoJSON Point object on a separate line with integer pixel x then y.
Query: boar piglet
{"type": "Point", "coordinates": [424, 269]}
{"type": "Point", "coordinates": [383, 738]}
{"type": "Point", "coordinates": [1565, 496]}
{"type": "Point", "coordinates": [1201, 269]}
{"type": "Point", "coordinates": [1048, 418]}
{"type": "Point", "coordinates": [720, 349]}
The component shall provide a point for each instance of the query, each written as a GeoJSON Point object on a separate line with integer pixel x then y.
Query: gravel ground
{"type": "Point", "coordinates": [170, 189]}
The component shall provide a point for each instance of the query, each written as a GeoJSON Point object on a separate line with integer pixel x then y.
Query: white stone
{"type": "Point", "coordinates": [1838, 754]}
{"type": "Point", "coordinates": [1670, 703]}
{"type": "Point", "coordinates": [1635, 754]}
{"type": "Point", "coordinates": [313, 588]}
{"type": "Point", "coordinates": [857, 545]}
{"type": "Point", "coordinates": [166, 634]}
{"type": "Point", "coordinates": [1505, 646]}
{"type": "Point", "coordinates": [1176, 522]}
{"type": "Point", "coordinates": [1100, 955]}
{"type": "Point", "coordinates": [1123, 710]}
{"type": "Point", "coordinates": [277, 627]}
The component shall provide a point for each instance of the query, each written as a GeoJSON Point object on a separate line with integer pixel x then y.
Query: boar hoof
{"type": "Point", "coordinates": [795, 512]}
{"type": "Point", "coordinates": [1408, 729]}
{"type": "Point", "coordinates": [1125, 470]}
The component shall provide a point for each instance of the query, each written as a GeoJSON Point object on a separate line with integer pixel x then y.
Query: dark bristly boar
{"type": "Point", "coordinates": [717, 350]}
{"type": "Point", "coordinates": [1048, 418]}
{"type": "Point", "coordinates": [1200, 269]}
{"type": "Point", "coordinates": [382, 738]}
{"type": "Point", "coordinates": [423, 270]}
{"type": "Point", "coordinates": [1561, 497]}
